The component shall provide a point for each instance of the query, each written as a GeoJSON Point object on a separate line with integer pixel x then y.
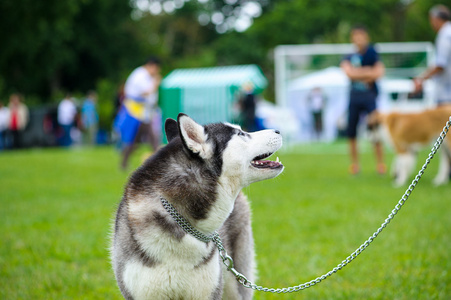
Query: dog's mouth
{"type": "Point", "coordinates": [260, 163]}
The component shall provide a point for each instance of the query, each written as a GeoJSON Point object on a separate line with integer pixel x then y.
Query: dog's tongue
{"type": "Point", "coordinates": [267, 164]}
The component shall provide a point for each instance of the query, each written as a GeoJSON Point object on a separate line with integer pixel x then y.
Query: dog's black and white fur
{"type": "Point", "coordinates": [201, 172]}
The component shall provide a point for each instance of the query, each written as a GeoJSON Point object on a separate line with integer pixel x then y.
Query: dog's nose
{"type": "Point", "coordinates": [277, 131]}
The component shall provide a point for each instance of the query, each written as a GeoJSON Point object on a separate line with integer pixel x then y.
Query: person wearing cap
{"type": "Point", "coordinates": [439, 18]}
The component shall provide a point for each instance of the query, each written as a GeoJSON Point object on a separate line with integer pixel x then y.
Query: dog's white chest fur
{"type": "Point", "coordinates": [174, 277]}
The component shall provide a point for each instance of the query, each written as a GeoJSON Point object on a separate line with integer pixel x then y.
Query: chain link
{"type": "Point", "coordinates": [186, 226]}
{"type": "Point", "coordinates": [228, 261]}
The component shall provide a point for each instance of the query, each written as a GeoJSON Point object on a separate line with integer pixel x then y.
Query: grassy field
{"type": "Point", "coordinates": [56, 208]}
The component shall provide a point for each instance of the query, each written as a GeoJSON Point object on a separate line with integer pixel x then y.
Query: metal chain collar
{"type": "Point", "coordinates": [228, 261]}
{"type": "Point", "coordinates": [186, 226]}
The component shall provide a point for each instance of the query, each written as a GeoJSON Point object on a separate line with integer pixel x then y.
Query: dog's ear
{"type": "Point", "coordinates": [171, 129]}
{"type": "Point", "coordinates": [193, 136]}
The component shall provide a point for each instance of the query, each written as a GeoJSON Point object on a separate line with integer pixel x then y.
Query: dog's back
{"type": "Point", "coordinates": [412, 130]}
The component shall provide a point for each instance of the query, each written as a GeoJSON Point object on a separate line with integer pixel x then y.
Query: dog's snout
{"type": "Point", "coordinates": [277, 131]}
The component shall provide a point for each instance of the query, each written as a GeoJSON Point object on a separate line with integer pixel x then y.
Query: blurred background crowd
{"type": "Point", "coordinates": [64, 66]}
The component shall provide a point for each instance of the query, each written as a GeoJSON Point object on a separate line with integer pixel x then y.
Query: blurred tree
{"type": "Point", "coordinates": [313, 21]}
{"type": "Point", "coordinates": [176, 37]}
{"type": "Point", "coordinates": [220, 15]}
{"type": "Point", "coordinates": [48, 46]}
{"type": "Point", "coordinates": [416, 25]}
{"type": "Point", "coordinates": [53, 46]}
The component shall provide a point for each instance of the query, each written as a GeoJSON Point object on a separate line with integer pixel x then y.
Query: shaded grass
{"type": "Point", "coordinates": [57, 206]}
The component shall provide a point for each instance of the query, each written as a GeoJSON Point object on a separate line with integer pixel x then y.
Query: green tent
{"type": "Point", "coordinates": [207, 94]}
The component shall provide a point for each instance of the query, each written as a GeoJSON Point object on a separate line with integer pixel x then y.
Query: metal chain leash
{"type": "Point", "coordinates": [228, 261]}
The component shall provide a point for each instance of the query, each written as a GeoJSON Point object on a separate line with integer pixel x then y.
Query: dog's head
{"type": "Point", "coordinates": [237, 157]}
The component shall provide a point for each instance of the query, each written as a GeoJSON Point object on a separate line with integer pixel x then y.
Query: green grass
{"type": "Point", "coordinates": [56, 208]}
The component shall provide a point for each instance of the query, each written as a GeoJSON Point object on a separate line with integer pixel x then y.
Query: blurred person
{"type": "Point", "coordinates": [439, 18]}
{"type": "Point", "coordinates": [316, 100]}
{"type": "Point", "coordinates": [4, 124]}
{"type": "Point", "coordinates": [248, 105]}
{"type": "Point", "coordinates": [119, 99]}
{"type": "Point", "coordinates": [363, 69]}
{"type": "Point", "coordinates": [18, 119]}
{"type": "Point", "coordinates": [67, 112]}
{"type": "Point", "coordinates": [134, 119]}
{"type": "Point", "coordinates": [89, 118]}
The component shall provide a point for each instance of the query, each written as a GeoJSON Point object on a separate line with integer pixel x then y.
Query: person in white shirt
{"type": "Point", "coordinates": [439, 17]}
{"type": "Point", "coordinates": [134, 119]}
{"type": "Point", "coordinates": [67, 112]}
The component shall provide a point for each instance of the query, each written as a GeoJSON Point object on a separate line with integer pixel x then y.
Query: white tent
{"type": "Point", "coordinates": [334, 84]}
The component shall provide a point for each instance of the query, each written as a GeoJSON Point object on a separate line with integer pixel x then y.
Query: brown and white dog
{"type": "Point", "coordinates": [409, 132]}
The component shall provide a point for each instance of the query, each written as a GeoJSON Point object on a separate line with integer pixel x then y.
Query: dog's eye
{"type": "Point", "coordinates": [240, 133]}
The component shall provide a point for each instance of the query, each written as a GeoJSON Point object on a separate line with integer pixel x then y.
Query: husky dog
{"type": "Point", "coordinates": [410, 132]}
{"type": "Point", "coordinates": [201, 172]}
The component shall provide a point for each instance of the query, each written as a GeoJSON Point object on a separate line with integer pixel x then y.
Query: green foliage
{"type": "Point", "coordinates": [106, 93]}
{"type": "Point", "coordinates": [51, 47]}
{"type": "Point", "coordinates": [416, 26]}
{"type": "Point", "coordinates": [177, 38]}
{"type": "Point", "coordinates": [58, 206]}
{"type": "Point", "coordinates": [63, 45]}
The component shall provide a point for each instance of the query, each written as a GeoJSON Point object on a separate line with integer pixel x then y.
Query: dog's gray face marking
{"type": "Point", "coordinates": [219, 136]}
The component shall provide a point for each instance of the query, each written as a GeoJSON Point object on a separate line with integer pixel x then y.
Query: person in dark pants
{"type": "Point", "coordinates": [248, 106]}
{"type": "Point", "coordinates": [363, 69]}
